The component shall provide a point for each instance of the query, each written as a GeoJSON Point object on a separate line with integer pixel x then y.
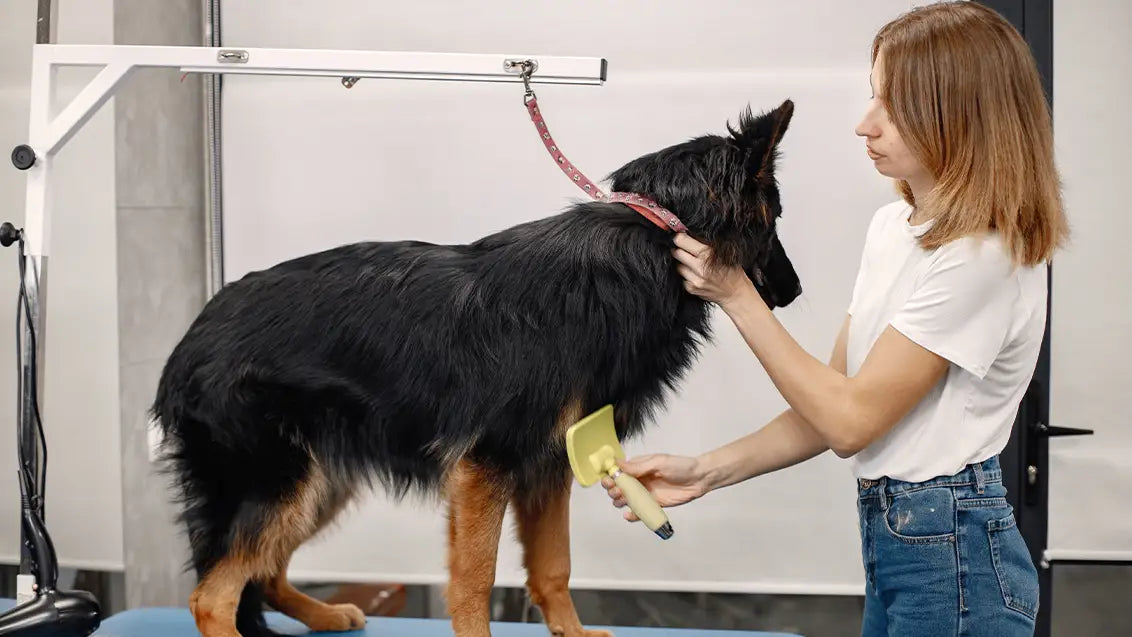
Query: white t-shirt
{"type": "Point", "coordinates": [966, 302]}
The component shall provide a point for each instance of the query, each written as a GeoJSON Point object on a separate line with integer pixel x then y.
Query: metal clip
{"type": "Point", "coordinates": [526, 69]}
{"type": "Point", "coordinates": [510, 65]}
{"type": "Point", "coordinates": [232, 56]}
{"type": "Point", "coordinates": [349, 82]}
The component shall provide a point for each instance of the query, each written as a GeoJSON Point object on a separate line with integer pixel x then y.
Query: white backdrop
{"type": "Point", "coordinates": [309, 164]}
{"type": "Point", "coordinates": [1091, 323]}
{"type": "Point", "coordinates": [340, 165]}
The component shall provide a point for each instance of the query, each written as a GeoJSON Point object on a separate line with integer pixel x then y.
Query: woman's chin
{"type": "Point", "coordinates": [885, 168]}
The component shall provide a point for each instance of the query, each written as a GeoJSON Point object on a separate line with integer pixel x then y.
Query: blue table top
{"type": "Point", "coordinates": [177, 622]}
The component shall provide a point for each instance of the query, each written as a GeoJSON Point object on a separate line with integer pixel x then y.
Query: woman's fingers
{"type": "Point", "coordinates": [697, 262]}
{"type": "Point", "coordinates": [683, 240]}
{"type": "Point", "coordinates": [614, 493]}
{"type": "Point", "coordinates": [691, 277]}
{"type": "Point", "coordinates": [689, 260]}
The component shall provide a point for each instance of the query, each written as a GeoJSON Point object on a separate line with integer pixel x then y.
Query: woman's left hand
{"type": "Point", "coordinates": [718, 284]}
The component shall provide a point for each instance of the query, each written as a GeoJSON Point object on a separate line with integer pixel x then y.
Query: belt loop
{"type": "Point", "coordinates": [882, 491]}
{"type": "Point", "coordinates": [980, 478]}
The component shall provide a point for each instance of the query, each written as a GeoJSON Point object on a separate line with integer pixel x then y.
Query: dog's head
{"type": "Point", "coordinates": [724, 190]}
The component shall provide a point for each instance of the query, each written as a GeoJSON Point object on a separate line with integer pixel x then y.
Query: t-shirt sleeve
{"type": "Point", "coordinates": [963, 305]}
{"type": "Point", "coordinates": [862, 272]}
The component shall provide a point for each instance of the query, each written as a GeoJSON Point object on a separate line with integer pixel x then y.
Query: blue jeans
{"type": "Point", "coordinates": [945, 557]}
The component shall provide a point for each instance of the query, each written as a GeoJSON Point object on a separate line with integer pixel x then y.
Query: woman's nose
{"type": "Point", "coordinates": [865, 128]}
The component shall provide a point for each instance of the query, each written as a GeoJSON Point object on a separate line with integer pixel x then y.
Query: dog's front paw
{"type": "Point", "coordinates": [560, 631]}
{"type": "Point", "coordinates": [338, 618]}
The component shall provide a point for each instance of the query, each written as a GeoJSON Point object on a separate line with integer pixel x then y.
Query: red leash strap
{"type": "Point", "coordinates": [574, 174]}
{"type": "Point", "coordinates": [648, 208]}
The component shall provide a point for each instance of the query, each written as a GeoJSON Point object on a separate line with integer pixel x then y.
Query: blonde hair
{"type": "Point", "coordinates": [963, 90]}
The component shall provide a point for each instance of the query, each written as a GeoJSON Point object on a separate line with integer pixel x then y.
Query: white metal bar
{"type": "Point", "coordinates": [37, 220]}
{"type": "Point", "coordinates": [1087, 555]}
{"type": "Point", "coordinates": [84, 105]}
{"type": "Point", "coordinates": [48, 135]}
{"type": "Point", "coordinates": [37, 207]}
{"type": "Point", "coordinates": [335, 63]}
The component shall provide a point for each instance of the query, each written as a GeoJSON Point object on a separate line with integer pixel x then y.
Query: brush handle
{"type": "Point", "coordinates": [642, 503]}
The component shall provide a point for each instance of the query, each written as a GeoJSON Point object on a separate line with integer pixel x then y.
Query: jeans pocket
{"type": "Point", "coordinates": [1017, 576]}
{"type": "Point", "coordinates": [921, 516]}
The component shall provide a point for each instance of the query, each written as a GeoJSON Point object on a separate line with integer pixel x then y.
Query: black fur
{"type": "Point", "coordinates": [388, 361]}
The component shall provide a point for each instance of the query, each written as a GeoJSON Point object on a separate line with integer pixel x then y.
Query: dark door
{"type": "Point", "coordinates": [1025, 461]}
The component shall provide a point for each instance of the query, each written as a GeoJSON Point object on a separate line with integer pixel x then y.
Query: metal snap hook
{"type": "Point", "coordinates": [527, 69]}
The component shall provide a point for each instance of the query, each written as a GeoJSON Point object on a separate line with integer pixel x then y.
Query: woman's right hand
{"type": "Point", "coordinates": [672, 480]}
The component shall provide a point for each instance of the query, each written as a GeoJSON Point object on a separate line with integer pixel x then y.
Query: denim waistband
{"type": "Point", "coordinates": [976, 475]}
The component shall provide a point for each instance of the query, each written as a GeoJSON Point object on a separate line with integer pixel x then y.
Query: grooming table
{"type": "Point", "coordinates": [177, 622]}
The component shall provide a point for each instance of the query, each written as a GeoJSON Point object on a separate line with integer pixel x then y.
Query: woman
{"type": "Point", "coordinates": [941, 338]}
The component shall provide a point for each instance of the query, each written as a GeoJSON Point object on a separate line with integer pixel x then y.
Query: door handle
{"type": "Point", "coordinates": [1050, 431]}
{"type": "Point", "coordinates": [1045, 431]}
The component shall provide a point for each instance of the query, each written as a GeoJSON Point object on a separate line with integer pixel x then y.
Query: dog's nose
{"type": "Point", "coordinates": [783, 302]}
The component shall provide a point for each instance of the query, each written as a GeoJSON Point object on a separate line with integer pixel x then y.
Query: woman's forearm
{"type": "Point", "coordinates": [783, 442]}
{"type": "Point", "coordinates": [821, 395]}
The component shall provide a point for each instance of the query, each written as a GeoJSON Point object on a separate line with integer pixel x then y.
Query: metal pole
{"type": "Point", "coordinates": [44, 23]}
{"type": "Point", "coordinates": [31, 391]}
{"type": "Point", "coordinates": [214, 220]}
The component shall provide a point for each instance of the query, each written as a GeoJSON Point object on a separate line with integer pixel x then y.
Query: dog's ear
{"type": "Point", "coordinates": [759, 136]}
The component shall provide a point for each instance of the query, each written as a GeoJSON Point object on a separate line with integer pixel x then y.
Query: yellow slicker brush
{"type": "Point", "coordinates": [594, 451]}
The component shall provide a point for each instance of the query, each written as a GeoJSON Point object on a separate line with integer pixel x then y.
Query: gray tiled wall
{"type": "Point", "coordinates": [161, 273]}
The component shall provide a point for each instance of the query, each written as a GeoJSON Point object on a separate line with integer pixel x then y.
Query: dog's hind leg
{"type": "Point", "coordinates": [214, 601]}
{"type": "Point", "coordinates": [477, 502]}
{"type": "Point", "coordinates": [317, 615]}
{"type": "Point", "coordinates": [544, 532]}
{"type": "Point", "coordinates": [263, 538]}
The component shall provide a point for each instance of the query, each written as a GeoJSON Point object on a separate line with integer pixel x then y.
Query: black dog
{"type": "Point", "coordinates": [428, 368]}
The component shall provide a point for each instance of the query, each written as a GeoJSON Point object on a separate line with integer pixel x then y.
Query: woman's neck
{"type": "Point", "coordinates": [920, 188]}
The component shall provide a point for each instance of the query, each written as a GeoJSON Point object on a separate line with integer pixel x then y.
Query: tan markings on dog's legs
{"type": "Point", "coordinates": [256, 557]}
{"type": "Point", "coordinates": [298, 520]}
{"type": "Point", "coordinates": [477, 502]}
{"type": "Point", "coordinates": [316, 614]}
{"type": "Point", "coordinates": [544, 532]}
{"type": "Point", "coordinates": [570, 415]}
{"type": "Point", "coordinates": [214, 601]}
